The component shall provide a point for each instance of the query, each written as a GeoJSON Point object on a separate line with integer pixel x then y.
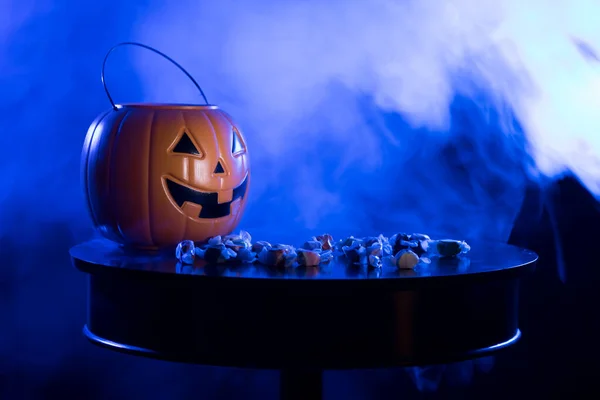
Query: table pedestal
{"type": "Point", "coordinates": [301, 384]}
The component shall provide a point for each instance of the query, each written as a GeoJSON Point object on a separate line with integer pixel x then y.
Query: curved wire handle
{"type": "Point", "coordinates": [151, 49]}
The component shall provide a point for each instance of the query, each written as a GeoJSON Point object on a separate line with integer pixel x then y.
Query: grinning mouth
{"type": "Point", "coordinates": [208, 200]}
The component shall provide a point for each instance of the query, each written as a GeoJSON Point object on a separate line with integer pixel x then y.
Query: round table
{"type": "Point", "coordinates": [302, 321]}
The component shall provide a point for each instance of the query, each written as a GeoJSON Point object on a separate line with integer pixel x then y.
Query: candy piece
{"type": "Point", "coordinates": [290, 259]}
{"type": "Point", "coordinates": [289, 254]}
{"type": "Point", "coordinates": [386, 248]}
{"type": "Point", "coordinates": [246, 255]}
{"type": "Point", "coordinates": [350, 241]}
{"type": "Point", "coordinates": [406, 259]}
{"type": "Point", "coordinates": [199, 252]}
{"type": "Point", "coordinates": [404, 245]}
{"type": "Point", "coordinates": [326, 241]}
{"type": "Point", "coordinates": [420, 248]}
{"type": "Point", "coordinates": [235, 246]}
{"type": "Point", "coordinates": [280, 255]}
{"type": "Point", "coordinates": [355, 253]}
{"type": "Point", "coordinates": [308, 258]}
{"type": "Point", "coordinates": [388, 261]}
{"type": "Point", "coordinates": [399, 236]}
{"type": "Point", "coordinates": [273, 257]}
{"type": "Point", "coordinates": [313, 245]}
{"type": "Point", "coordinates": [245, 236]}
{"type": "Point", "coordinates": [414, 242]}
{"type": "Point", "coordinates": [231, 237]}
{"type": "Point", "coordinates": [400, 241]}
{"type": "Point", "coordinates": [374, 240]}
{"type": "Point", "coordinates": [215, 241]}
{"type": "Point", "coordinates": [218, 254]}
{"type": "Point", "coordinates": [419, 237]}
{"type": "Point", "coordinates": [375, 249]}
{"type": "Point", "coordinates": [212, 254]}
{"type": "Point", "coordinates": [228, 253]}
{"type": "Point", "coordinates": [446, 248]}
{"type": "Point", "coordinates": [369, 241]}
{"type": "Point", "coordinates": [242, 250]}
{"type": "Point", "coordinates": [374, 261]}
{"type": "Point", "coordinates": [374, 253]}
{"type": "Point", "coordinates": [185, 252]}
{"type": "Point", "coordinates": [351, 248]}
{"type": "Point", "coordinates": [260, 245]}
{"type": "Point", "coordinates": [326, 256]}
{"type": "Point", "coordinates": [240, 244]}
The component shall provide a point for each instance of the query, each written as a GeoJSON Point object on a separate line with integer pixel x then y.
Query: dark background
{"type": "Point", "coordinates": [468, 178]}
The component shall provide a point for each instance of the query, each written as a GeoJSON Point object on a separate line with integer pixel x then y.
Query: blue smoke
{"type": "Point", "coordinates": [363, 116]}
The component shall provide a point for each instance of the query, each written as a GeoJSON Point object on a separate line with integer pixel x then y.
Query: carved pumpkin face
{"type": "Point", "coordinates": [158, 174]}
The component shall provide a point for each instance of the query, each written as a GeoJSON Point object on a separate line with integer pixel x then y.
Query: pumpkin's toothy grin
{"type": "Point", "coordinates": [208, 200]}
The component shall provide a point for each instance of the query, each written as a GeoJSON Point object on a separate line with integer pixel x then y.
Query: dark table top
{"type": "Point", "coordinates": [484, 260]}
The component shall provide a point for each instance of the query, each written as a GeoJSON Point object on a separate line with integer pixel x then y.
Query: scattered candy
{"type": "Point", "coordinates": [185, 252]}
{"type": "Point", "coordinates": [308, 258]}
{"type": "Point", "coordinates": [326, 257]}
{"type": "Point", "coordinates": [446, 248]}
{"type": "Point", "coordinates": [416, 242]}
{"type": "Point", "coordinates": [355, 252]}
{"type": "Point", "coordinates": [406, 259]}
{"type": "Point", "coordinates": [403, 251]}
{"type": "Point", "coordinates": [326, 241]}
{"type": "Point", "coordinates": [374, 261]}
{"type": "Point", "coordinates": [278, 255]}
{"type": "Point", "coordinates": [313, 245]}
{"type": "Point", "coordinates": [258, 246]}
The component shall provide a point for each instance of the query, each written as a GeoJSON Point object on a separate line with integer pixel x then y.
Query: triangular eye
{"type": "Point", "coordinates": [236, 143]}
{"type": "Point", "coordinates": [186, 146]}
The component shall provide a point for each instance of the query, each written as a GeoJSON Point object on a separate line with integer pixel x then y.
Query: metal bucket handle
{"type": "Point", "coordinates": [114, 106]}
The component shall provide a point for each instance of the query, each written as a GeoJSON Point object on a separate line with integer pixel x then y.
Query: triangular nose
{"type": "Point", "coordinates": [219, 168]}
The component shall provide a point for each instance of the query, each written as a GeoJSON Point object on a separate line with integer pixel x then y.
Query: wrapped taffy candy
{"type": "Point", "coordinates": [349, 242]}
{"type": "Point", "coordinates": [186, 252]}
{"type": "Point", "coordinates": [222, 249]}
{"type": "Point", "coordinates": [446, 248]}
{"type": "Point", "coordinates": [242, 245]}
{"type": "Point", "coordinates": [308, 258]}
{"type": "Point", "coordinates": [367, 251]}
{"type": "Point", "coordinates": [374, 251]}
{"type": "Point", "coordinates": [406, 259]}
{"type": "Point", "coordinates": [316, 251]}
{"type": "Point", "coordinates": [260, 245]}
{"type": "Point", "coordinates": [217, 254]}
{"type": "Point", "coordinates": [313, 258]}
{"type": "Point", "coordinates": [326, 256]}
{"type": "Point", "coordinates": [278, 255]}
{"type": "Point", "coordinates": [374, 261]}
{"type": "Point", "coordinates": [354, 252]}
{"type": "Point", "coordinates": [314, 245]}
{"type": "Point", "coordinates": [236, 242]}
{"type": "Point", "coordinates": [415, 242]}
{"type": "Point", "coordinates": [326, 241]}
{"type": "Point", "coordinates": [381, 242]}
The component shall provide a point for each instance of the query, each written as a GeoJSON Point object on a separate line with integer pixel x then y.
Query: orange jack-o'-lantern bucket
{"type": "Point", "coordinates": [156, 174]}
